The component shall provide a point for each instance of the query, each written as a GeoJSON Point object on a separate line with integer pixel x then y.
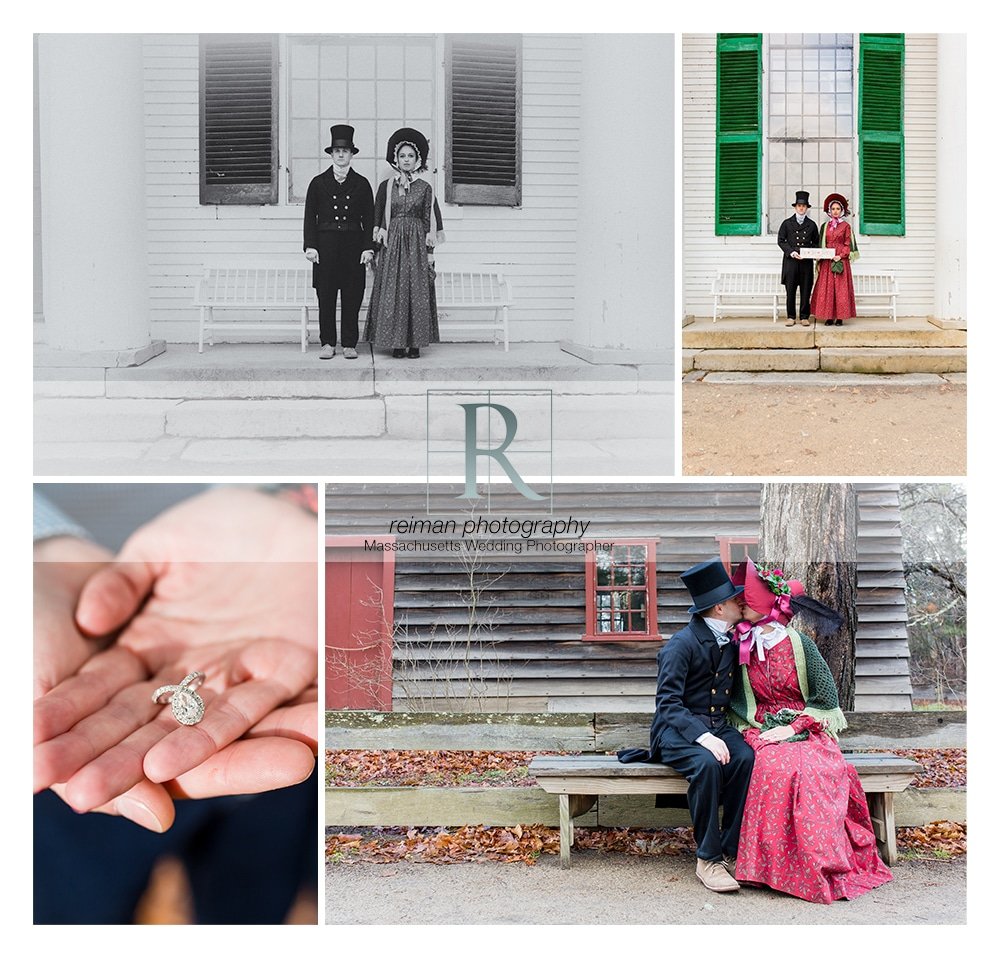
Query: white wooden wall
{"type": "Point", "coordinates": [910, 257]}
{"type": "Point", "coordinates": [534, 245]}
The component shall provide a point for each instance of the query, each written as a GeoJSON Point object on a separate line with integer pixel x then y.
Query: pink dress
{"type": "Point", "coordinates": [806, 828]}
{"type": "Point", "coordinates": [833, 293]}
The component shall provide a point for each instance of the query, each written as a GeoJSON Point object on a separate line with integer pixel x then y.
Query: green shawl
{"type": "Point", "coordinates": [819, 691]}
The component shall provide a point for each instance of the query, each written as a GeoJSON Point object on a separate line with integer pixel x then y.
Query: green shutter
{"type": "Point", "coordinates": [738, 141]}
{"type": "Point", "coordinates": [882, 206]}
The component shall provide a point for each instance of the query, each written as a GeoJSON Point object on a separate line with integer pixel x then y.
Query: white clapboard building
{"type": "Point", "coordinates": [879, 118]}
{"type": "Point", "coordinates": [160, 155]}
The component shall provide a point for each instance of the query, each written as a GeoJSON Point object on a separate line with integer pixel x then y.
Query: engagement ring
{"type": "Point", "coordinates": [185, 702]}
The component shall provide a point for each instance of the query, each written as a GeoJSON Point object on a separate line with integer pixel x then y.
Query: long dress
{"type": "Point", "coordinates": [806, 827]}
{"type": "Point", "coordinates": [403, 308]}
{"type": "Point", "coordinates": [833, 293]}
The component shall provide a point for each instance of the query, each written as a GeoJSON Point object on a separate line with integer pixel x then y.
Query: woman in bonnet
{"type": "Point", "coordinates": [806, 828]}
{"type": "Point", "coordinates": [833, 291]}
{"type": "Point", "coordinates": [402, 314]}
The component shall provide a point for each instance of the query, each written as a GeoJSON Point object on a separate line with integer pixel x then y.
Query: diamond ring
{"type": "Point", "coordinates": [185, 702]}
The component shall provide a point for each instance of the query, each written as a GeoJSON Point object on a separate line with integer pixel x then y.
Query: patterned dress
{"type": "Point", "coordinates": [833, 293]}
{"type": "Point", "coordinates": [806, 828]}
{"type": "Point", "coordinates": [403, 308]}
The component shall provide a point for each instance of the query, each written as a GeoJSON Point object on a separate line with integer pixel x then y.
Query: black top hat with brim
{"type": "Point", "coordinates": [709, 584]}
{"type": "Point", "coordinates": [408, 136]}
{"type": "Point", "coordinates": [341, 138]}
{"type": "Point", "coordinates": [802, 196]}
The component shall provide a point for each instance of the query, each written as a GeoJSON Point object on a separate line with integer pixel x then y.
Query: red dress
{"type": "Point", "coordinates": [806, 829]}
{"type": "Point", "coordinates": [833, 293]}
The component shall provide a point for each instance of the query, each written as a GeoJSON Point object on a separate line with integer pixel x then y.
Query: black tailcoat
{"type": "Point", "coordinates": [792, 237]}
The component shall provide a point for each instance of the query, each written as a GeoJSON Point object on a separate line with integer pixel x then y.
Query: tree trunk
{"type": "Point", "coordinates": [810, 531]}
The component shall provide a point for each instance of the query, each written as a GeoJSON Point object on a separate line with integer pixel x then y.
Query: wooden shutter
{"type": "Point", "coordinates": [483, 139]}
{"type": "Point", "coordinates": [738, 138]}
{"type": "Point", "coordinates": [882, 204]}
{"type": "Point", "coordinates": [239, 119]}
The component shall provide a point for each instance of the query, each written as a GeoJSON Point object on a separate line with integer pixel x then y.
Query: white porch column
{"type": "Point", "coordinates": [93, 209]}
{"type": "Point", "coordinates": [624, 310]}
{"type": "Point", "coordinates": [952, 200]}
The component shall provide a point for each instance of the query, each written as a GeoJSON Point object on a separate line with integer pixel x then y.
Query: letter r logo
{"type": "Point", "coordinates": [473, 451]}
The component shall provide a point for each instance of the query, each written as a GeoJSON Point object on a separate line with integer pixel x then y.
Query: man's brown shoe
{"type": "Point", "coordinates": [714, 877]}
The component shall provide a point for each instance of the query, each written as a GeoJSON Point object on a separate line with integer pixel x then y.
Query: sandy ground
{"type": "Point", "coordinates": [619, 889]}
{"type": "Point", "coordinates": [823, 430]}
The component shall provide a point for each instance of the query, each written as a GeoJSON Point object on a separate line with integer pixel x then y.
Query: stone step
{"type": "Point", "coordinates": [275, 418]}
{"type": "Point", "coordinates": [897, 360]}
{"type": "Point", "coordinates": [764, 334]}
{"type": "Point", "coordinates": [755, 360]}
{"type": "Point", "coordinates": [82, 419]}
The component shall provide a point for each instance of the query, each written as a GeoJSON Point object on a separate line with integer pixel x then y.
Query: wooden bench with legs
{"type": "Point", "coordinates": [288, 289]}
{"type": "Point", "coordinates": [750, 291]}
{"type": "Point", "coordinates": [578, 780]}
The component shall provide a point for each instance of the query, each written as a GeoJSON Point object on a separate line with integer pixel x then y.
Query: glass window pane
{"type": "Point", "coordinates": [604, 600]}
{"type": "Point", "coordinates": [621, 575]}
{"type": "Point", "coordinates": [604, 622]}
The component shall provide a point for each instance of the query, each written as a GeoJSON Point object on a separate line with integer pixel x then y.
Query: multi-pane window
{"type": "Point", "coordinates": [734, 549]}
{"type": "Point", "coordinates": [810, 120]}
{"type": "Point", "coordinates": [375, 85]}
{"type": "Point", "coordinates": [621, 591]}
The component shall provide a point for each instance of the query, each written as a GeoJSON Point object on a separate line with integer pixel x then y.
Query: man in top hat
{"type": "Point", "coordinates": [795, 233]}
{"type": "Point", "coordinates": [337, 239]}
{"type": "Point", "coordinates": [697, 668]}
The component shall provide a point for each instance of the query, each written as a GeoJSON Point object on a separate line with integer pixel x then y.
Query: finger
{"type": "Point", "coordinates": [246, 767]}
{"type": "Point", "coordinates": [112, 596]}
{"type": "Point", "coordinates": [102, 677]}
{"type": "Point", "coordinates": [232, 714]}
{"type": "Point", "coordinates": [299, 722]}
{"type": "Point", "coordinates": [145, 804]}
{"type": "Point", "coordinates": [57, 759]}
{"type": "Point", "coordinates": [119, 768]}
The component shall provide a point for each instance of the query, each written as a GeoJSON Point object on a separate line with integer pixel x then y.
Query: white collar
{"type": "Point", "coordinates": [720, 629]}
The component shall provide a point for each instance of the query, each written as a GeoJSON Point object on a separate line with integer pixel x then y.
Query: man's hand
{"type": "Point", "coordinates": [716, 746]}
{"type": "Point", "coordinates": [777, 734]}
{"type": "Point", "coordinates": [224, 583]}
{"type": "Point", "coordinates": [796, 255]}
{"type": "Point", "coordinates": [312, 255]}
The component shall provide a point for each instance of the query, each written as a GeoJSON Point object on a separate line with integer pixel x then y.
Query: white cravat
{"type": "Point", "coordinates": [720, 629]}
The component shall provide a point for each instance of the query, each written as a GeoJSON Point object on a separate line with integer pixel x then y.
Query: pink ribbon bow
{"type": "Point", "coordinates": [743, 633]}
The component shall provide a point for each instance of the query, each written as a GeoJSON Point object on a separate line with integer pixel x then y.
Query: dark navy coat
{"type": "Point", "coordinates": [333, 207]}
{"type": "Point", "coordinates": [691, 694]}
{"type": "Point", "coordinates": [791, 238]}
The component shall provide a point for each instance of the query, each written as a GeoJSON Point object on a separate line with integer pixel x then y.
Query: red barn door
{"type": "Point", "coordinates": [359, 618]}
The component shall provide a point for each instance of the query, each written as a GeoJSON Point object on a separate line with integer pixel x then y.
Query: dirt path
{"type": "Point", "coordinates": [619, 889]}
{"type": "Point", "coordinates": [872, 430]}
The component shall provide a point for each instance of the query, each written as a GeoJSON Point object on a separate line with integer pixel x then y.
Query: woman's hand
{"type": "Point", "coordinates": [366, 257]}
{"type": "Point", "coordinates": [312, 255]}
{"type": "Point", "coordinates": [836, 259]}
{"type": "Point", "coordinates": [778, 734]}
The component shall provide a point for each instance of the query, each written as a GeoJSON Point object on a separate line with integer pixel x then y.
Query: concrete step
{"type": "Point", "coordinates": [276, 418]}
{"type": "Point", "coordinates": [765, 334]}
{"type": "Point", "coordinates": [82, 419]}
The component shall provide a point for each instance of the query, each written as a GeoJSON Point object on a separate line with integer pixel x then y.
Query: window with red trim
{"type": "Point", "coordinates": [621, 591]}
{"type": "Point", "coordinates": [734, 549]}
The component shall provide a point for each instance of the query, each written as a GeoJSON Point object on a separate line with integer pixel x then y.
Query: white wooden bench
{"type": "Point", "coordinates": [289, 289]}
{"type": "Point", "coordinates": [578, 780]}
{"type": "Point", "coordinates": [747, 291]}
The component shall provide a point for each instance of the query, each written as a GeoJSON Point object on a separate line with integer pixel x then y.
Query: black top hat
{"type": "Point", "coordinates": [709, 584]}
{"type": "Point", "coordinates": [801, 196]}
{"type": "Point", "coordinates": [409, 137]}
{"type": "Point", "coordinates": [342, 138]}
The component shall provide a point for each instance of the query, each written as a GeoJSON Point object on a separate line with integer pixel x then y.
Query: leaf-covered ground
{"type": "Point", "coordinates": [943, 767]}
{"type": "Point", "coordinates": [525, 843]}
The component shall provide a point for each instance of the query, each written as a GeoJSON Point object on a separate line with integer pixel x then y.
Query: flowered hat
{"type": "Point", "coordinates": [768, 591]}
{"type": "Point", "coordinates": [838, 198]}
{"type": "Point", "coordinates": [407, 136]}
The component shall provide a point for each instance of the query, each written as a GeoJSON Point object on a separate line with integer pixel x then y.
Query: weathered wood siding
{"type": "Point", "coordinates": [526, 654]}
{"type": "Point", "coordinates": [533, 245]}
{"type": "Point", "coordinates": [910, 257]}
